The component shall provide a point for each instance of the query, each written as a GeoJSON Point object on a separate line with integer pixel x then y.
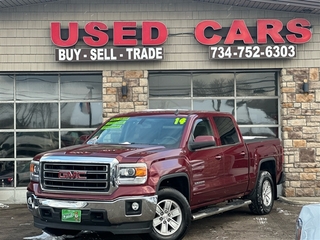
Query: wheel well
{"type": "Point", "coordinates": [180, 183]}
{"type": "Point", "coordinates": [270, 166]}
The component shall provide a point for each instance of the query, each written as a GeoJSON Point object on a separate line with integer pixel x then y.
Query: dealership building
{"type": "Point", "coordinates": [67, 65]}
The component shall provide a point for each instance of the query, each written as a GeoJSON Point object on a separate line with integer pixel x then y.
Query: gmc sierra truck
{"type": "Point", "coordinates": [152, 173]}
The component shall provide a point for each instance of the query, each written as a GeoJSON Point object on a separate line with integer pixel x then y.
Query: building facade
{"type": "Point", "coordinates": [66, 66]}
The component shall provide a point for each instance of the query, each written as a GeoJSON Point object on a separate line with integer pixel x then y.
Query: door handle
{"type": "Point", "coordinates": [218, 157]}
{"type": "Point", "coordinates": [242, 153]}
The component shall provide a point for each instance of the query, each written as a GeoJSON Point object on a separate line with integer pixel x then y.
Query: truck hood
{"type": "Point", "coordinates": [128, 153]}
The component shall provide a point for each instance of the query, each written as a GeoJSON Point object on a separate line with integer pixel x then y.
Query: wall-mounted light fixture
{"type": "Point", "coordinates": [305, 86]}
{"type": "Point", "coordinates": [124, 90]}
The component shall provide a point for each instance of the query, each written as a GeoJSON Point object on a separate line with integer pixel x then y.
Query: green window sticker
{"type": "Point", "coordinates": [115, 123]}
{"type": "Point", "coordinates": [180, 121]}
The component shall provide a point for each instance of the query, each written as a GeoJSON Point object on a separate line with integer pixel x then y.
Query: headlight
{"type": "Point", "coordinates": [298, 228]}
{"type": "Point", "coordinates": [132, 173]}
{"type": "Point", "coordinates": [34, 171]}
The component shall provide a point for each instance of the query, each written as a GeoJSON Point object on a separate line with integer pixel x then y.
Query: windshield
{"type": "Point", "coordinates": [151, 130]}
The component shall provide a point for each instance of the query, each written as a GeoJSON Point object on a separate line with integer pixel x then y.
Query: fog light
{"type": "Point", "coordinates": [135, 206]}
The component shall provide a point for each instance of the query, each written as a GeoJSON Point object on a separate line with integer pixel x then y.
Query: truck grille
{"type": "Point", "coordinates": [75, 177]}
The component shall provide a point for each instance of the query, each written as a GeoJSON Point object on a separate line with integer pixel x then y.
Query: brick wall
{"type": "Point", "coordinates": [301, 131]}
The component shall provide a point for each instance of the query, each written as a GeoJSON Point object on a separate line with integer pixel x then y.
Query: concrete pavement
{"type": "Point", "coordinates": [300, 200]}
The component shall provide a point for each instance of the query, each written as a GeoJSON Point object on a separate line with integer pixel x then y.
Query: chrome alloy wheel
{"type": "Point", "coordinates": [266, 193]}
{"type": "Point", "coordinates": [168, 217]}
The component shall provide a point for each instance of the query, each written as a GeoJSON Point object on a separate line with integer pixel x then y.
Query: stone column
{"type": "Point", "coordinates": [300, 114]}
{"type": "Point", "coordinates": [114, 101]}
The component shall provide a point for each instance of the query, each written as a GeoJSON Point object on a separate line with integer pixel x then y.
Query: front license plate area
{"type": "Point", "coordinates": [68, 215]}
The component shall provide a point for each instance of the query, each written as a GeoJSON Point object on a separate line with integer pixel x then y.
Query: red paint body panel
{"type": "Point", "coordinates": [215, 173]}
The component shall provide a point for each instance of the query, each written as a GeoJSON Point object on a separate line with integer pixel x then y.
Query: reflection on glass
{"type": "Point", "coordinates": [213, 84]}
{"type": "Point", "coordinates": [83, 86]}
{"type": "Point", "coordinates": [6, 87]}
{"type": "Point", "coordinates": [6, 116]}
{"type": "Point", "coordinates": [23, 173]}
{"type": "Point", "coordinates": [259, 131]}
{"type": "Point", "coordinates": [6, 145]}
{"type": "Point", "coordinates": [37, 115]}
{"type": "Point", "coordinates": [257, 111]}
{"type": "Point", "coordinates": [69, 138]}
{"type": "Point", "coordinates": [6, 174]}
{"type": "Point", "coordinates": [169, 104]}
{"type": "Point", "coordinates": [31, 143]}
{"type": "Point", "coordinates": [218, 105]}
{"type": "Point", "coordinates": [82, 114]}
{"type": "Point", "coordinates": [170, 85]}
{"type": "Point", "coordinates": [256, 84]}
{"type": "Point", "coordinates": [33, 87]}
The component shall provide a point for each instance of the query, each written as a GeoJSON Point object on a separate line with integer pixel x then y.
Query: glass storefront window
{"type": "Point", "coordinates": [81, 114]}
{"type": "Point", "coordinates": [259, 131]}
{"type": "Point", "coordinates": [6, 87]}
{"type": "Point", "coordinates": [69, 138]}
{"type": "Point", "coordinates": [31, 143]}
{"type": "Point", "coordinates": [170, 85]}
{"type": "Point", "coordinates": [46, 112]}
{"type": "Point", "coordinates": [81, 86]}
{"type": "Point", "coordinates": [6, 173]}
{"type": "Point", "coordinates": [6, 116]}
{"type": "Point", "coordinates": [37, 115]}
{"type": "Point", "coordinates": [37, 87]}
{"type": "Point", "coordinates": [169, 104]}
{"type": "Point", "coordinates": [6, 145]}
{"type": "Point", "coordinates": [23, 173]}
{"type": "Point", "coordinates": [256, 84]}
{"type": "Point", "coordinates": [257, 111]}
{"type": "Point", "coordinates": [218, 105]}
{"type": "Point", "coordinates": [251, 97]}
{"type": "Point", "coordinates": [213, 84]}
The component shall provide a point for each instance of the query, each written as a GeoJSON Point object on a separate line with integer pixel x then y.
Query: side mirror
{"type": "Point", "coordinates": [202, 142]}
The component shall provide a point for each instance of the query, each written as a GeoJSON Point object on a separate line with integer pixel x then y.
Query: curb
{"type": "Point", "coordinates": [298, 202]}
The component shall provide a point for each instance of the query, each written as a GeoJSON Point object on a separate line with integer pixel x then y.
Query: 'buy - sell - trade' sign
{"type": "Point", "coordinates": [268, 39]}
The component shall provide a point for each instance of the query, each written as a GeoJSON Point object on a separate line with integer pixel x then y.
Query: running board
{"type": "Point", "coordinates": [216, 209]}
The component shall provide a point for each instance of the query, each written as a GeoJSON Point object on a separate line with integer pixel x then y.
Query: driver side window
{"type": "Point", "coordinates": [202, 128]}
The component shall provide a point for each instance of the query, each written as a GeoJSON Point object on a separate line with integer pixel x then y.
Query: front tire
{"type": "Point", "coordinates": [173, 216]}
{"type": "Point", "coordinates": [263, 195]}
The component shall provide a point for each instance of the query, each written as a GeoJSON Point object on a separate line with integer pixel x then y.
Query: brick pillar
{"type": "Point", "coordinates": [137, 92]}
{"type": "Point", "coordinates": [300, 114]}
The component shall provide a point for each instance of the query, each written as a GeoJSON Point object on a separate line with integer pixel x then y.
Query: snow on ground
{"type": "Point", "coordinates": [46, 236]}
{"type": "Point", "coordinates": [3, 205]}
{"type": "Point", "coordinates": [285, 212]}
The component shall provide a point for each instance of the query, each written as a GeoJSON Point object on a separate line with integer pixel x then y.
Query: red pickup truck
{"type": "Point", "coordinates": [152, 173]}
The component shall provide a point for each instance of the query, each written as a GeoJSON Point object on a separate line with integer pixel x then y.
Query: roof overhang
{"type": "Point", "coordinates": [17, 3]}
{"type": "Point", "coordinates": [299, 6]}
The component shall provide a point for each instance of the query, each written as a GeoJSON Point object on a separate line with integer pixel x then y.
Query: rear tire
{"type": "Point", "coordinates": [173, 216]}
{"type": "Point", "coordinates": [262, 196]}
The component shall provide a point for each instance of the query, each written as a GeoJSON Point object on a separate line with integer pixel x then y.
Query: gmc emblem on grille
{"type": "Point", "coordinates": [72, 175]}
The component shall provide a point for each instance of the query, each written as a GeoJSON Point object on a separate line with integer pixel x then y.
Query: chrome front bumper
{"type": "Point", "coordinates": [117, 210]}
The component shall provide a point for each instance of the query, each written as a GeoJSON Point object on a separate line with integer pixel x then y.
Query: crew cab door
{"type": "Point", "coordinates": [207, 165]}
{"type": "Point", "coordinates": [235, 156]}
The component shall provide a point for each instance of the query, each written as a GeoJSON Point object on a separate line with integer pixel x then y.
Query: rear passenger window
{"type": "Point", "coordinates": [227, 130]}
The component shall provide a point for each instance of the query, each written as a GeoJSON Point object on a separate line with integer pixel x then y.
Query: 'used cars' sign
{"type": "Point", "coordinates": [268, 39]}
